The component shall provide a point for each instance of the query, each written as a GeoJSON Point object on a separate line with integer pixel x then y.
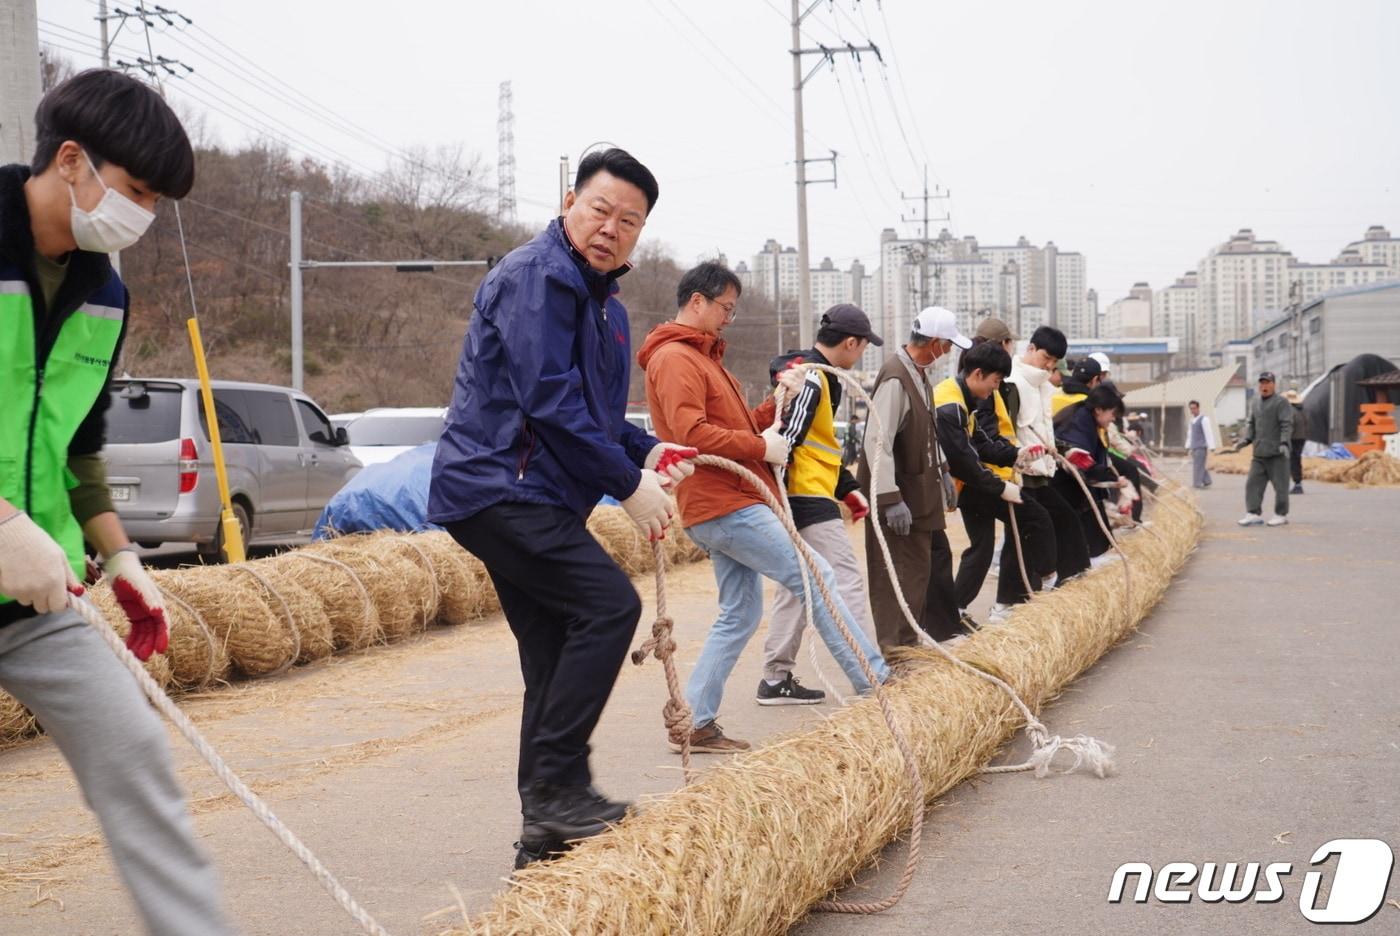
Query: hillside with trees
{"type": "Point", "coordinates": [373, 337]}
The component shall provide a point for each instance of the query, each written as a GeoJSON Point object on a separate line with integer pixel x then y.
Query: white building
{"type": "Point", "coordinates": [1349, 269]}
{"type": "Point", "coordinates": [1131, 316]}
{"type": "Point", "coordinates": [1175, 311]}
{"type": "Point", "coordinates": [1377, 246]}
{"type": "Point", "coordinates": [1241, 281]}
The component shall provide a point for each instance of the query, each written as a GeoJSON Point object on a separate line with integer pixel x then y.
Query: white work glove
{"type": "Point", "coordinates": [898, 518]}
{"type": "Point", "coordinates": [791, 381]}
{"type": "Point", "coordinates": [34, 569]}
{"type": "Point", "coordinates": [672, 460]}
{"type": "Point", "coordinates": [141, 602]}
{"type": "Point", "coordinates": [1011, 493]}
{"type": "Point", "coordinates": [650, 505]}
{"type": "Point", "coordinates": [1028, 455]}
{"type": "Point", "coordinates": [777, 449]}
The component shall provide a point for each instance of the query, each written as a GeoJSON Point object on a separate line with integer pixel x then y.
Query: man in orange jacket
{"type": "Point", "coordinates": [696, 402]}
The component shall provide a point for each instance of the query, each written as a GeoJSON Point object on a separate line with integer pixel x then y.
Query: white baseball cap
{"type": "Point", "coordinates": [938, 322]}
{"type": "Point", "coordinates": [1103, 361]}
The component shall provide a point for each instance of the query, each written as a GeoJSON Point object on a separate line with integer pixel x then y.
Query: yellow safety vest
{"type": "Point", "coordinates": [816, 463]}
{"type": "Point", "coordinates": [948, 391]}
{"type": "Point", "coordinates": [1007, 431]}
{"type": "Point", "coordinates": [1061, 399]}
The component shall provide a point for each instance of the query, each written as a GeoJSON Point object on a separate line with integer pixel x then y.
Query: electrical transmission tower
{"type": "Point", "coordinates": [925, 251]}
{"type": "Point", "coordinates": [505, 157]}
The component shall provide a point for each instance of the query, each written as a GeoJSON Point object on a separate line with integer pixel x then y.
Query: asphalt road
{"type": "Point", "coordinates": [1255, 716]}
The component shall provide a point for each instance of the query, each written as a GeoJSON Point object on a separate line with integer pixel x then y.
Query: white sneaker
{"type": "Point", "coordinates": [1250, 519]}
{"type": "Point", "coordinates": [1108, 558]}
{"type": "Point", "coordinates": [1277, 521]}
{"type": "Point", "coordinates": [1001, 613]}
{"type": "Point", "coordinates": [1049, 582]}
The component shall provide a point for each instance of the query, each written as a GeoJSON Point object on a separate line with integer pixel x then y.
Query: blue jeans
{"type": "Point", "coordinates": [745, 547]}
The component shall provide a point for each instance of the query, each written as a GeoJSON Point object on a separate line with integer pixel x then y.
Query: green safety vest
{"type": "Point", "coordinates": [45, 402]}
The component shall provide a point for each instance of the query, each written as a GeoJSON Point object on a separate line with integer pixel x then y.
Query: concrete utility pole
{"type": "Point", "coordinates": [20, 79]}
{"type": "Point", "coordinates": [564, 181]}
{"type": "Point", "coordinates": [828, 57]}
{"type": "Point", "coordinates": [926, 197]}
{"type": "Point", "coordinates": [295, 263]}
{"type": "Point", "coordinates": [102, 29]}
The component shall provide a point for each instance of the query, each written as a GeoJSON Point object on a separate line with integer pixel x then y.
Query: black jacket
{"type": "Point", "coordinates": [966, 451]}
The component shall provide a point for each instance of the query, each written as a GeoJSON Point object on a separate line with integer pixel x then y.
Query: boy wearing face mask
{"type": "Point", "coordinates": [107, 149]}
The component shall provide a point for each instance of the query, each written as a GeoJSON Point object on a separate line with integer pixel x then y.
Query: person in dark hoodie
{"type": "Point", "coordinates": [536, 435]}
{"type": "Point", "coordinates": [816, 481]}
{"type": "Point", "coordinates": [1079, 432]}
{"type": "Point", "coordinates": [107, 149]}
{"type": "Point", "coordinates": [695, 401]}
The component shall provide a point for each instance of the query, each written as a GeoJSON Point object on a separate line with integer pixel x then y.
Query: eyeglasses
{"type": "Point", "coordinates": [730, 311]}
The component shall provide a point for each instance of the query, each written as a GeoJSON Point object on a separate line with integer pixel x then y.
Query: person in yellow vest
{"type": "Point", "coordinates": [1085, 376]}
{"type": "Point", "coordinates": [816, 481]}
{"type": "Point", "coordinates": [994, 436]}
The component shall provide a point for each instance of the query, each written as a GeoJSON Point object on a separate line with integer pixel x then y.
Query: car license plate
{"type": "Point", "coordinates": [121, 492]}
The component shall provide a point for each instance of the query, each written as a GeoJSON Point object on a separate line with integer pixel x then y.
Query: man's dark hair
{"type": "Point", "coordinates": [1102, 397]}
{"type": "Point", "coordinates": [989, 357]}
{"type": "Point", "coordinates": [1050, 340]}
{"type": "Point", "coordinates": [622, 164]}
{"type": "Point", "coordinates": [710, 279]}
{"type": "Point", "coordinates": [1194, 403]}
{"type": "Point", "coordinates": [831, 337]}
{"type": "Point", "coordinates": [116, 119]}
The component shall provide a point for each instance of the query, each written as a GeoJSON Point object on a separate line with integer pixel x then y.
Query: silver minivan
{"type": "Point", "coordinates": [283, 457]}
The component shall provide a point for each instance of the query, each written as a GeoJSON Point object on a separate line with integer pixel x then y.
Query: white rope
{"type": "Point", "coordinates": [163, 704]}
{"type": "Point", "coordinates": [1089, 752]}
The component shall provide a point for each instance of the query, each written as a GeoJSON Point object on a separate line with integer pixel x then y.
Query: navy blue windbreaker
{"type": "Point", "coordinates": [540, 398]}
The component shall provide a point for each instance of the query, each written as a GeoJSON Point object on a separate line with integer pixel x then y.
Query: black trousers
{"type": "Point", "coordinates": [980, 512]}
{"type": "Point", "coordinates": [1070, 547]}
{"type": "Point", "coordinates": [1070, 490]}
{"type": "Point", "coordinates": [573, 613]}
{"type": "Point", "coordinates": [1128, 468]}
{"type": "Point", "coordinates": [1295, 460]}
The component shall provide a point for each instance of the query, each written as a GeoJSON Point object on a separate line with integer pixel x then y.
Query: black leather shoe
{"type": "Point", "coordinates": [527, 852]}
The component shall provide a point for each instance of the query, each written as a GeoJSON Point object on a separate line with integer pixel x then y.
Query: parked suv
{"type": "Point", "coordinates": [283, 457]}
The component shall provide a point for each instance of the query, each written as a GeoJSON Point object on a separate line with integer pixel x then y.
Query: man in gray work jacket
{"type": "Point", "coordinates": [1271, 431]}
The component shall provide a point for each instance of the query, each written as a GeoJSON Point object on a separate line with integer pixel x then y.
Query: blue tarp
{"type": "Point", "coordinates": [392, 495]}
{"type": "Point", "coordinates": [1338, 451]}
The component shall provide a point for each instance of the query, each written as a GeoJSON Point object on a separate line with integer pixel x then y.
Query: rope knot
{"type": "Point", "coordinates": [659, 644]}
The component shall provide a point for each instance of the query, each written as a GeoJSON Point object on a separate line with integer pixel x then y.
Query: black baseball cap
{"type": "Point", "coordinates": [1086, 370]}
{"type": "Point", "coordinates": [850, 320]}
{"type": "Point", "coordinates": [1269, 376]}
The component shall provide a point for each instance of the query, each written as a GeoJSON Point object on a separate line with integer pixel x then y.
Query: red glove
{"type": "Point", "coordinates": [1034, 451]}
{"type": "Point", "coordinates": [671, 461]}
{"type": "Point", "coordinates": [1080, 459]}
{"type": "Point", "coordinates": [859, 506]}
{"type": "Point", "coordinates": [141, 603]}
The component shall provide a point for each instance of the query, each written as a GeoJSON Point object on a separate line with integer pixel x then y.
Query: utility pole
{"type": "Point", "coordinates": [295, 263]}
{"type": "Point", "coordinates": [926, 197]}
{"type": "Point", "coordinates": [20, 79]}
{"type": "Point", "coordinates": [828, 57]}
{"type": "Point", "coordinates": [778, 294]}
{"type": "Point", "coordinates": [563, 181]}
{"type": "Point", "coordinates": [505, 156]}
{"type": "Point", "coordinates": [102, 29]}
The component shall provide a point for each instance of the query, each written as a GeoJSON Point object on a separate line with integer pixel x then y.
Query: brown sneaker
{"type": "Point", "coordinates": [709, 739]}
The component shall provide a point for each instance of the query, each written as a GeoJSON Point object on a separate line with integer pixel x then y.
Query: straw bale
{"type": "Point", "coordinates": [751, 845]}
{"type": "Point", "coordinates": [464, 589]}
{"type": "Point", "coordinates": [346, 602]}
{"type": "Point", "coordinates": [622, 540]}
{"type": "Point", "coordinates": [16, 722]}
{"type": "Point", "coordinates": [400, 588]}
{"type": "Point", "coordinates": [1373, 468]}
{"type": "Point", "coordinates": [195, 656]}
{"type": "Point", "coordinates": [257, 638]}
{"type": "Point", "coordinates": [301, 604]}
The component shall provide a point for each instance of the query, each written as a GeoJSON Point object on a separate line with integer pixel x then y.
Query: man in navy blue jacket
{"type": "Point", "coordinates": [536, 435]}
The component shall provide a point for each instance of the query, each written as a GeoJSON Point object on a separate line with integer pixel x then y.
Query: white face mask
{"type": "Point", "coordinates": [115, 223]}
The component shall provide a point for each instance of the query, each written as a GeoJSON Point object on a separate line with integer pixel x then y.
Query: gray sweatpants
{"type": "Point", "coordinates": [1200, 474]}
{"type": "Point", "coordinates": [1262, 472]}
{"type": "Point", "coordinates": [61, 670]}
{"type": "Point", "coordinates": [828, 539]}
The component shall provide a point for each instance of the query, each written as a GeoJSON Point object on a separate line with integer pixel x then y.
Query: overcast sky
{"type": "Point", "coordinates": [1139, 134]}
